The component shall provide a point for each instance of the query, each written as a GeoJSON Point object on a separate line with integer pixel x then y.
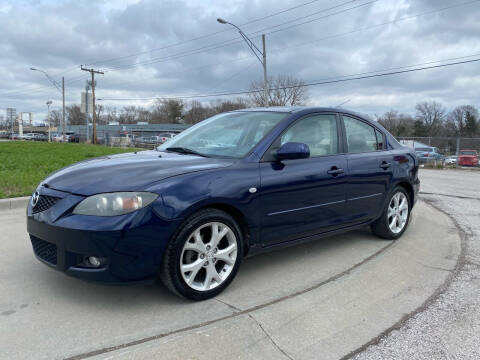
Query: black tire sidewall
{"type": "Point", "coordinates": [176, 248]}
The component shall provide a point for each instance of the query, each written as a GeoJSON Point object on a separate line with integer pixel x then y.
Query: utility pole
{"type": "Point", "coordinates": [94, 118]}
{"type": "Point", "coordinates": [265, 78]}
{"type": "Point", "coordinates": [87, 87]}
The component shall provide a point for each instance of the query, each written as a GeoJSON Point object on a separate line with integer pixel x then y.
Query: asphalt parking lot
{"type": "Point", "coordinates": [347, 296]}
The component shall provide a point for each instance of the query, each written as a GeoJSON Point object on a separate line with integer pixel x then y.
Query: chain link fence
{"type": "Point", "coordinates": [446, 149]}
{"type": "Point", "coordinates": [447, 146]}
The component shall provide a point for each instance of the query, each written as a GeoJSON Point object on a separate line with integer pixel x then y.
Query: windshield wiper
{"type": "Point", "coordinates": [183, 150]}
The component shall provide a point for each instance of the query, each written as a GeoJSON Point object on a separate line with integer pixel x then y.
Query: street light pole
{"type": "Point", "coordinates": [256, 51]}
{"type": "Point", "coordinates": [60, 88]}
{"type": "Point", "coordinates": [87, 87]}
{"type": "Point", "coordinates": [63, 108]}
{"type": "Point", "coordinates": [49, 102]}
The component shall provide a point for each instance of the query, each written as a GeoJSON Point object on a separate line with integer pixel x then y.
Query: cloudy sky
{"type": "Point", "coordinates": [151, 48]}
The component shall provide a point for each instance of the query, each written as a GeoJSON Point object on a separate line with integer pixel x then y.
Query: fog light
{"type": "Point", "coordinates": [94, 261]}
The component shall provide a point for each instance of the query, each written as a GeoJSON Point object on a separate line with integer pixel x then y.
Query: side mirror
{"type": "Point", "coordinates": [293, 150]}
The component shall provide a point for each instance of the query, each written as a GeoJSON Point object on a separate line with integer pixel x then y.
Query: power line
{"type": "Point", "coordinates": [214, 33]}
{"type": "Point", "coordinates": [233, 41]}
{"type": "Point", "coordinates": [242, 92]}
{"type": "Point", "coordinates": [296, 45]}
{"type": "Point", "coordinates": [224, 43]}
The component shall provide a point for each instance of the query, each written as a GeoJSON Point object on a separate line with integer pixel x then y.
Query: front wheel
{"type": "Point", "coordinates": [395, 216]}
{"type": "Point", "coordinates": [204, 256]}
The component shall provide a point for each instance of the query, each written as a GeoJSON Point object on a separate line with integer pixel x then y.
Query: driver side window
{"type": "Point", "coordinates": [319, 132]}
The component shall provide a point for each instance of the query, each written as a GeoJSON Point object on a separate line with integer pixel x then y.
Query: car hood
{"type": "Point", "coordinates": [127, 172]}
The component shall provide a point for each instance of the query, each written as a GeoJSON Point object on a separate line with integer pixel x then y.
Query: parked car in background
{"type": "Point", "coordinates": [166, 137]}
{"type": "Point", "coordinates": [13, 136]}
{"type": "Point", "coordinates": [40, 137]}
{"type": "Point", "coordinates": [426, 154]}
{"type": "Point", "coordinates": [236, 184]}
{"type": "Point", "coordinates": [468, 158]}
{"type": "Point", "coordinates": [29, 136]}
{"type": "Point", "coordinates": [69, 136]}
{"type": "Point", "coordinates": [57, 138]}
{"type": "Point", "coordinates": [451, 160]}
{"type": "Point", "coordinates": [154, 139]}
{"type": "Point", "coordinates": [4, 135]}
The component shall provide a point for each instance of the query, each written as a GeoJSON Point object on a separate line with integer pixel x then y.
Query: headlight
{"type": "Point", "coordinates": [112, 204]}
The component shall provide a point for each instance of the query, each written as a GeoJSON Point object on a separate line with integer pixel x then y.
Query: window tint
{"type": "Point", "coordinates": [319, 132]}
{"type": "Point", "coordinates": [360, 136]}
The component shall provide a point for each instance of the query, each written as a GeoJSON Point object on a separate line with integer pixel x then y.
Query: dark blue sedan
{"type": "Point", "coordinates": [233, 185]}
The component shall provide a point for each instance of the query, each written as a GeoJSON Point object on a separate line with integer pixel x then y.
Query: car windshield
{"type": "Point", "coordinates": [468, 153]}
{"type": "Point", "coordinates": [225, 135]}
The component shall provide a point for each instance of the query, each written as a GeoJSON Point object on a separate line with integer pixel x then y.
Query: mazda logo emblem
{"type": "Point", "coordinates": [35, 197]}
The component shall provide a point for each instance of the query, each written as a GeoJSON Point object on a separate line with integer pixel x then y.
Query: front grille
{"type": "Point", "coordinates": [44, 250]}
{"type": "Point", "coordinates": [44, 202]}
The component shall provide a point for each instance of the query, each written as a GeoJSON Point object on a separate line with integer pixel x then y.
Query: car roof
{"type": "Point", "coordinates": [295, 109]}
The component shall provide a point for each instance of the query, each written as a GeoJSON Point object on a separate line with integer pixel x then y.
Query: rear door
{"type": "Point", "coordinates": [370, 169]}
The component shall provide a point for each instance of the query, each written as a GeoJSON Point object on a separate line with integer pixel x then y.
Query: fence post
{"type": "Point", "coordinates": [458, 146]}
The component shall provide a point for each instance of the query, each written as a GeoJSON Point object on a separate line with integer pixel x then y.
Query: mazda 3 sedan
{"type": "Point", "coordinates": [233, 185]}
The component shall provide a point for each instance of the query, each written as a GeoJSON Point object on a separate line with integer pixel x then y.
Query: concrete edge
{"type": "Point", "coordinates": [460, 263]}
{"type": "Point", "coordinates": [14, 203]}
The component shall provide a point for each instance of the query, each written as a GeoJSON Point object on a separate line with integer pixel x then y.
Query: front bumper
{"type": "Point", "coordinates": [132, 244]}
{"type": "Point", "coordinates": [468, 162]}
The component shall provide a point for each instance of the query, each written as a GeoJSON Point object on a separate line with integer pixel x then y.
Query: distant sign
{"type": "Point", "coordinates": [83, 102]}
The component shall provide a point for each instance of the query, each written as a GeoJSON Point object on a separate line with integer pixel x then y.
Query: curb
{"type": "Point", "coordinates": [14, 203]}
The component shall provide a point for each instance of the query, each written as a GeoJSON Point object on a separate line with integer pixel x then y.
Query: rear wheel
{"type": "Point", "coordinates": [204, 256]}
{"type": "Point", "coordinates": [395, 216]}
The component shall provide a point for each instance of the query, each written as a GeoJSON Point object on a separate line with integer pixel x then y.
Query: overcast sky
{"type": "Point", "coordinates": [145, 48]}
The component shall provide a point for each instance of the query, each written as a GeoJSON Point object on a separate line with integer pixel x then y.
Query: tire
{"type": "Point", "coordinates": [385, 226]}
{"type": "Point", "coordinates": [213, 259]}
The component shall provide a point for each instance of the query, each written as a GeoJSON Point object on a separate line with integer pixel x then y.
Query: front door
{"type": "Point", "coordinates": [303, 197]}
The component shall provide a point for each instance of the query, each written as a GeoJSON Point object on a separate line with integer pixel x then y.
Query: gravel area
{"type": "Point", "coordinates": [449, 327]}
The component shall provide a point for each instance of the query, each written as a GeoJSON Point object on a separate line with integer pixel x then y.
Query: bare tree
{"type": "Point", "coordinates": [99, 110]}
{"type": "Point", "coordinates": [284, 90]}
{"type": "Point", "coordinates": [55, 117]}
{"type": "Point", "coordinates": [462, 121]}
{"type": "Point", "coordinates": [74, 115]}
{"type": "Point", "coordinates": [167, 111]}
{"type": "Point", "coordinates": [396, 123]}
{"type": "Point", "coordinates": [429, 118]}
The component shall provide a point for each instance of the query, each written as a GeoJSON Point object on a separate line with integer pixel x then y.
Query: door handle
{"type": "Point", "coordinates": [334, 171]}
{"type": "Point", "coordinates": [384, 165]}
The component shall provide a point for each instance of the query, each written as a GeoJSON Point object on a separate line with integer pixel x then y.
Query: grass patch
{"type": "Point", "coordinates": [23, 164]}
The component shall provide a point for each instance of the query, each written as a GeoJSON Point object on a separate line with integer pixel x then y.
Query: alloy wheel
{"type": "Point", "coordinates": [397, 214]}
{"type": "Point", "coordinates": [208, 256]}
